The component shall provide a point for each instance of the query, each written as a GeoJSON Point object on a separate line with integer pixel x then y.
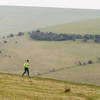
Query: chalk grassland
{"type": "Point", "coordinates": [84, 74]}
{"type": "Point", "coordinates": [46, 56]}
{"type": "Point", "coordinates": [14, 87]}
{"type": "Point", "coordinates": [89, 26]}
{"type": "Point", "coordinates": [16, 19]}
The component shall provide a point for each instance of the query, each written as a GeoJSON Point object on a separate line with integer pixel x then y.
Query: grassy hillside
{"type": "Point", "coordinates": [16, 19]}
{"type": "Point", "coordinates": [14, 87]}
{"type": "Point", "coordinates": [85, 74]}
{"type": "Point", "coordinates": [90, 26]}
{"type": "Point", "coordinates": [46, 56]}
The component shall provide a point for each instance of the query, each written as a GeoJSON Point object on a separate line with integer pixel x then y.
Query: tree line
{"type": "Point", "coordinates": [50, 36]}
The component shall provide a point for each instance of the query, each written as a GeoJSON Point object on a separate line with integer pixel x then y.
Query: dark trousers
{"type": "Point", "coordinates": [26, 70]}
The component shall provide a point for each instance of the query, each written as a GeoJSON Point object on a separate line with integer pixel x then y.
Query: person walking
{"type": "Point", "coordinates": [26, 68]}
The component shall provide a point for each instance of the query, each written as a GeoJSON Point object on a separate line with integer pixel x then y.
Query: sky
{"type": "Point", "coordinates": [84, 4]}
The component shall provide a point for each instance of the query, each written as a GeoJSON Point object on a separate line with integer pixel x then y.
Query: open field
{"type": "Point", "coordinates": [47, 56]}
{"type": "Point", "coordinates": [14, 87]}
{"type": "Point", "coordinates": [89, 26]}
{"type": "Point", "coordinates": [16, 19]}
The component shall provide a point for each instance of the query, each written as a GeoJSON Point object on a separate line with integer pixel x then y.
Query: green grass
{"type": "Point", "coordinates": [14, 87]}
{"type": "Point", "coordinates": [89, 26]}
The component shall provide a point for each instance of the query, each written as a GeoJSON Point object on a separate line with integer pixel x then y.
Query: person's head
{"type": "Point", "coordinates": [27, 60]}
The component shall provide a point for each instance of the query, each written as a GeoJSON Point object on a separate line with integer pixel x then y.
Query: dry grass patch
{"type": "Point", "coordinates": [15, 87]}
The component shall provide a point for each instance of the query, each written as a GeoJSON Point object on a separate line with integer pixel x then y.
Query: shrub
{"type": "Point", "coordinates": [5, 41]}
{"type": "Point", "coordinates": [3, 37]}
{"type": "Point", "coordinates": [84, 63]}
{"type": "Point", "coordinates": [20, 34]}
{"type": "Point", "coordinates": [98, 59]}
{"type": "Point", "coordinates": [79, 63]}
{"type": "Point", "coordinates": [16, 42]}
{"type": "Point", "coordinates": [97, 41]}
{"type": "Point", "coordinates": [90, 62]}
{"type": "Point", "coordinates": [11, 35]}
{"type": "Point", "coordinates": [67, 90]}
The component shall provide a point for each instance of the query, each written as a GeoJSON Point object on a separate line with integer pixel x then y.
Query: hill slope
{"type": "Point", "coordinates": [14, 87]}
{"type": "Point", "coordinates": [90, 26]}
{"type": "Point", "coordinates": [16, 19]}
{"type": "Point", "coordinates": [46, 57]}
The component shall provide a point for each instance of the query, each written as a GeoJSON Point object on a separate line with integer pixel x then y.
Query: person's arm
{"type": "Point", "coordinates": [28, 64]}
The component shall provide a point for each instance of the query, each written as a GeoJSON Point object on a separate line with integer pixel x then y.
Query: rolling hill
{"type": "Point", "coordinates": [14, 87]}
{"type": "Point", "coordinates": [90, 26]}
{"type": "Point", "coordinates": [54, 59]}
{"type": "Point", "coordinates": [16, 19]}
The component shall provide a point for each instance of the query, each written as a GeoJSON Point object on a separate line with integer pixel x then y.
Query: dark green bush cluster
{"type": "Point", "coordinates": [50, 36]}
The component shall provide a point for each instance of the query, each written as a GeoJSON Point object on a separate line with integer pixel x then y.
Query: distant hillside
{"type": "Point", "coordinates": [91, 26]}
{"type": "Point", "coordinates": [15, 19]}
{"type": "Point", "coordinates": [14, 87]}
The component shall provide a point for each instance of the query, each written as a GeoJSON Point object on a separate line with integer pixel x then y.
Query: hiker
{"type": "Point", "coordinates": [26, 68]}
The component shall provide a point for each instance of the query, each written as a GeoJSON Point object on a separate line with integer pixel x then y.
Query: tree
{"type": "Point", "coordinates": [20, 34]}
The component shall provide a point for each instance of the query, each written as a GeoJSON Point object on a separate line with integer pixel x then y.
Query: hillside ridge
{"type": "Point", "coordinates": [88, 26]}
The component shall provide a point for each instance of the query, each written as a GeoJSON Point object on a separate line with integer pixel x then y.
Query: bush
{"type": "Point", "coordinates": [97, 41]}
{"type": "Point", "coordinates": [79, 63]}
{"type": "Point", "coordinates": [84, 63]}
{"type": "Point", "coordinates": [20, 34]}
{"type": "Point", "coordinates": [67, 90]}
{"type": "Point", "coordinates": [11, 35]}
{"type": "Point", "coordinates": [3, 37]}
{"type": "Point", "coordinates": [5, 41]}
{"type": "Point", "coordinates": [16, 42]}
{"type": "Point", "coordinates": [90, 62]}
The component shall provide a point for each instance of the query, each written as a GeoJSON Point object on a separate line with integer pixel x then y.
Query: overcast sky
{"type": "Point", "coordinates": [87, 4]}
